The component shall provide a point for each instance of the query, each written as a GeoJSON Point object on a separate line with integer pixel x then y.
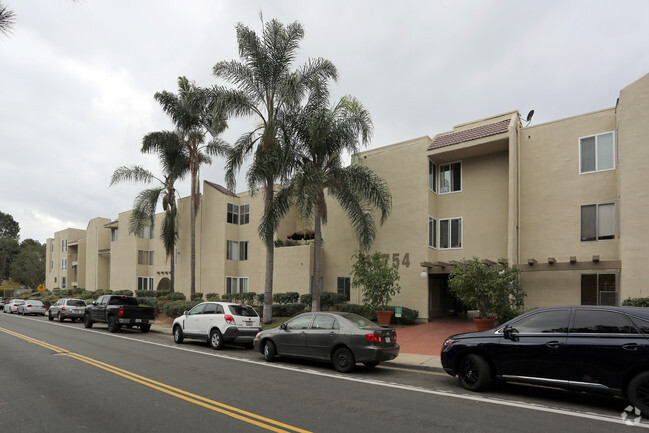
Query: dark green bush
{"type": "Point", "coordinates": [151, 293]}
{"type": "Point", "coordinates": [177, 297]}
{"type": "Point", "coordinates": [148, 300]}
{"type": "Point", "coordinates": [331, 299]}
{"type": "Point", "coordinates": [408, 315]}
{"type": "Point", "coordinates": [306, 299]}
{"type": "Point", "coordinates": [212, 297]}
{"type": "Point", "coordinates": [636, 302]}
{"type": "Point", "coordinates": [260, 298]}
{"type": "Point", "coordinates": [361, 310]}
{"type": "Point", "coordinates": [286, 298]}
{"type": "Point", "coordinates": [123, 292]}
{"type": "Point", "coordinates": [177, 308]}
{"type": "Point", "coordinates": [282, 310]}
{"type": "Point", "coordinates": [197, 296]}
{"type": "Point", "coordinates": [243, 298]}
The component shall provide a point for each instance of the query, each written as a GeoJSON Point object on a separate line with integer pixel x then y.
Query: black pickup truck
{"type": "Point", "coordinates": [118, 310]}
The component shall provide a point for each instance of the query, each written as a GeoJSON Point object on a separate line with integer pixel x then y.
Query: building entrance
{"type": "Point", "coordinates": [441, 302]}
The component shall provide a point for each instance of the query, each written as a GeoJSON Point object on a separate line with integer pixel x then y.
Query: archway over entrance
{"type": "Point", "coordinates": [164, 284]}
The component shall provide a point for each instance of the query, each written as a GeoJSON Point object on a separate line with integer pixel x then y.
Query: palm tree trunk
{"type": "Point", "coordinates": [192, 224]}
{"type": "Point", "coordinates": [270, 260]}
{"type": "Point", "coordinates": [173, 270]}
{"type": "Point", "coordinates": [317, 261]}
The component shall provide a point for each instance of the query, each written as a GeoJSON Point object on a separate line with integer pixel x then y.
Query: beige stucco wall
{"type": "Point", "coordinates": [55, 272]}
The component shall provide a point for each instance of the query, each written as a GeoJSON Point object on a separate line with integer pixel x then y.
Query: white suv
{"type": "Point", "coordinates": [218, 323]}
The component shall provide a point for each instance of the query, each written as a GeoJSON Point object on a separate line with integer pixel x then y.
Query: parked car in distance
{"type": "Point", "coordinates": [67, 308]}
{"type": "Point", "coordinates": [31, 306]}
{"type": "Point", "coordinates": [218, 323]}
{"type": "Point", "coordinates": [12, 305]}
{"type": "Point", "coordinates": [2, 303]}
{"type": "Point", "coordinates": [340, 338]}
{"type": "Point", "coordinates": [586, 348]}
{"type": "Point", "coordinates": [119, 310]}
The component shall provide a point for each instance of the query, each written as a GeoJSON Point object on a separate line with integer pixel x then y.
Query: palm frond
{"type": "Point", "coordinates": [132, 173]}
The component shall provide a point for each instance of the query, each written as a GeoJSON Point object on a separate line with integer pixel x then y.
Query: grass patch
{"type": "Point", "coordinates": [275, 323]}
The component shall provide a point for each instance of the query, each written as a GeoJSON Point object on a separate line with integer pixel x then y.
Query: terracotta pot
{"type": "Point", "coordinates": [383, 317]}
{"type": "Point", "coordinates": [484, 324]}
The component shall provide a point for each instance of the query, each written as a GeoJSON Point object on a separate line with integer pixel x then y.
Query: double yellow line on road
{"type": "Point", "coordinates": [242, 415]}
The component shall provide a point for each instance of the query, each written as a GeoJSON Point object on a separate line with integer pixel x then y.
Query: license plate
{"type": "Point", "coordinates": [138, 320]}
{"type": "Point", "coordinates": [388, 339]}
{"type": "Point", "coordinates": [248, 323]}
{"type": "Point", "coordinates": [78, 311]}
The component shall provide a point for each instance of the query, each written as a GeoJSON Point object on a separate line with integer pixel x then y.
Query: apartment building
{"type": "Point", "coordinates": [565, 201]}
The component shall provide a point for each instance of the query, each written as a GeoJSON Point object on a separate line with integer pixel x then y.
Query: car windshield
{"type": "Point", "coordinates": [77, 303]}
{"type": "Point", "coordinates": [360, 321]}
{"type": "Point", "coordinates": [34, 302]}
{"type": "Point", "coordinates": [243, 310]}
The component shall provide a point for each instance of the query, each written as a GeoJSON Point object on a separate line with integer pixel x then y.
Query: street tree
{"type": "Point", "coordinates": [321, 136]}
{"type": "Point", "coordinates": [191, 111]}
{"type": "Point", "coordinates": [174, 160]}
{"type": "Point", "coordinates": [9, 248]}
{"type": "Point", "coordinates": [28, 267]}
{"type": "Point", "coordinates": [9, 228]}
{"type": "Point", "coordinates": [265, 86]}
{"type": "Point", "coordinates": [7, 19]}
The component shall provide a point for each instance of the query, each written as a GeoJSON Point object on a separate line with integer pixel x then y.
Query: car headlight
{"type": "Point", "coordinates": [258, 334]}
{"type": "Point", "coordinates": [447, 343]}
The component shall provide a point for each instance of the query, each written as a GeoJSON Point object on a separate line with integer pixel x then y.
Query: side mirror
{"type": "Point", "coordinates": [282, 326]}
{"type": "Point", "coordinates": [94, 303]}
{"type": "Point", "coordinates": [186, 313]}
{"type": "Point", "coordinates": [510, 333]}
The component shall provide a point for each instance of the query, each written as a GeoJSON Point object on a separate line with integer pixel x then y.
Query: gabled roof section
{"type": "Point", "coordinates": [221, 189]}
{"type": "Point", "coordinates": [470, 134]}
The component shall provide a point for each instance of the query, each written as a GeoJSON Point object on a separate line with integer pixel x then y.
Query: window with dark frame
{"type": "Point", "coordinates": [233, 213]}
{"type": "Point", "coordinates": [344, 284]}
{"type": "Point", "coordinates": [598, 222]}
{"type": "Point", "coordinates": [450, 177]}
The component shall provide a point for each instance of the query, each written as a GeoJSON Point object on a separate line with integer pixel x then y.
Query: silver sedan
{"type": "Point", "coordinates": [340, 338]}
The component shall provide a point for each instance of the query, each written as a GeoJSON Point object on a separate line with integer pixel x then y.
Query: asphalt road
{"type": "Point", "coordinates": [63, 377]}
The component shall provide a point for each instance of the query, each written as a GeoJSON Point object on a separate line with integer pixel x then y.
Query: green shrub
{"type": "Point", "coordinates": [636, 302]}
{"type": "Point", "coordinates": [283, 310]}
{"type": "Point", "coordinates": [212, 297]}
{"type": "Point", "coordinates": [307, 299]}
{"type": "Point", "coordinates": [151, 293]}
{"type": "Point", "coordinates": [123, 292]}
{"type": "Point", "coordinates": [408, 315]}
{"type": "Point", "coordinates": [177, 308]}
{"type": "Point", "coordinates": [286, 298]}
{"type": "Point", "coordinates": [260, 298]}
{"type": "Point", "coordinates": [331, 299]}
{"type": "Point", "coordinates": [176, 296]}
{"type": "Point", "coordinates": [198, 296]}
{"type": "Point", "coordinates": [148, 300]}
{"type": "Point", "coordinates": [243, 298]}
{"type": "Point", "coordinates": [361, 310]}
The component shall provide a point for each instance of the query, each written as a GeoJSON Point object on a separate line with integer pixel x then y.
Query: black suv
{"type": "Point", "coordinates": [587, 348]}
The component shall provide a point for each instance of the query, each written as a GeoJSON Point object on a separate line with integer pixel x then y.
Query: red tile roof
{"type": "Point", "coordinates": [220, 188]}
{"type": "Point", "coordinates": [470, 134]}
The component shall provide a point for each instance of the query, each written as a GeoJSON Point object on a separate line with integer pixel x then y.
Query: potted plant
{"type": "Point", "coordinates": [378, 282]}
{"type": "Point", "coordinates": [492, 290]}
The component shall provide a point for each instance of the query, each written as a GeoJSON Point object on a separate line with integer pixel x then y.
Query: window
{"type": "Point", "coordinates": [64, 264]}
{"type": "Point", "coordinates": [197, 310]}
{"type": "Point", "coordinates": [55, 279]}
{"type": "Point", "coordinates": [597, 153]}
{"type": "Point", "coordinates": [450, 233]}
{"type": "Point", "coordinates": [450, 177]}
{"type": "Point", "coordinates": [64, 282]}
{"type": "Point", "coordinates": [598, 221]}
{"type": "Point", "coordinates": [243, 250]}
{"type": "Point", "coordinates": [601, 322]}
{"type": "Point", "coordinates": [145, 283]}
{"type": "Point", "coordinates": [599, 289]}
{"type": "Point", "coordinates": [243, 285]}
{"type": "Point", "coordinates": [233, 213]}
{"type": "Point", "coordinates": [113, 235]}
{"type": "Point", "coordinates": [210, 309]}
{"type": "Point", "coordinates": [145, 257]}
{"type": "Point", "coordinates": [343, 286]}
{"type": "Point", "coordinates": [299, 323]}
{"type": "Point", "coordinates": [324, 321]}
{"type": "Point", "coordinates": [244, 214]}
{"type": "Point", "coordinates": [432, 232]}
{"type": "Point", "coordinates": [232, 250]}
{"type": "Point", "coordinates": [51, 264]}
{"type": "Point", "coordinates": [432, 176]}
{"type": "Point", "coordinates": [64, 245]}
{"type": "Point", "coordinates": [546, 322]}
{"type": "Point", "coordinates": [52, 247]}
{"type": "Point", "coordinates": [236, 285]}
{"type": "Point", "coordinates": [148, 232]}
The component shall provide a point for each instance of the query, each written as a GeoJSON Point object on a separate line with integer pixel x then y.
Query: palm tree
{"type": "Point", "coordinates": [265, 87]}
{"type": "Point", "coordinates": [173, 158]}
{"type": "Point", "coordinates": [7, 19]}
{"type": "Point", "coordinates": [191, 110]}
{"type": "Point", "coordinates": [321, 136]}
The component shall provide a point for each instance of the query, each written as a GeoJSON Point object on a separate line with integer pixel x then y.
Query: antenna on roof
{"type": "Point", "coordinates": [529, 117]}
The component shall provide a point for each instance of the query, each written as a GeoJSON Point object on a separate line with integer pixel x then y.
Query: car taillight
{"type": "Point", "coordinates": [374, 338]}
{"type": "Point", "coordinates": [154, 314]}
{"type": "Point", "coordinates": [229, 319]}
{"type": "Point", "coordinates": [42, 306]}
{"type": "Point", "coordinates": [62, 308]}
{"type": "Point", "coordinates": [120, 312]}
{"type": "Point", "coordinates": [395, 336]}
{"type": "Point", "coordinates": [29, 306]}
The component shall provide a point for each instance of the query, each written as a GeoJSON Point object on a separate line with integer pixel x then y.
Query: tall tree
{"type": "Point", "coordinates": [174, 160]}
{"type": "Point", "coordinates": [265, 86]}
{"type": "Point", "coordinates": [9, 248]}
{"type": "Point", "coordinates": [7, 19]}
{"type": "Point", "coordinates": [321, 136]}
{"type": "Point", "coordinates": [191, 111]}
{"type": "Point", "coordinates": [28, 267]}
{"type": "Point", "coordinates": [9, 228]}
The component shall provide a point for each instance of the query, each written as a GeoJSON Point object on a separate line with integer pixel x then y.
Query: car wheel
{"type": "Point", "coordinates": [113, 326]}
{"type": "Point", "coordinates": [343, 360]}
{"type": "Point", "coordinates": [61, 318]}
{"type": "Point", "coordinates": [145, 328]}
{"type": "Point", "coordinates": [269, 351]}
{"type": "Point", "coordinates": [87, 321]}
{"type": "Point", "coordinates": [371, 364]}
{"type": "Point", "coordinates": [474, 372]}
{"type": "Point", "coordinates": [638, 392]}
{"type": "Point", "coordinates": [49, 316]}
{"type": "Point", "coordinates": [216, 340]}
{"type": "Point", "coordinates": [178, 335]}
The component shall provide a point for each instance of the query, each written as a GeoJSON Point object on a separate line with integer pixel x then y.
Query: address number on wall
{"type": "Point", "coordinates": [397, 260]}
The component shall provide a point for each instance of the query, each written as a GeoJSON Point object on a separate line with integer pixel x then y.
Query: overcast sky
{"type": "Point", "coordinates": [77, 78]}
